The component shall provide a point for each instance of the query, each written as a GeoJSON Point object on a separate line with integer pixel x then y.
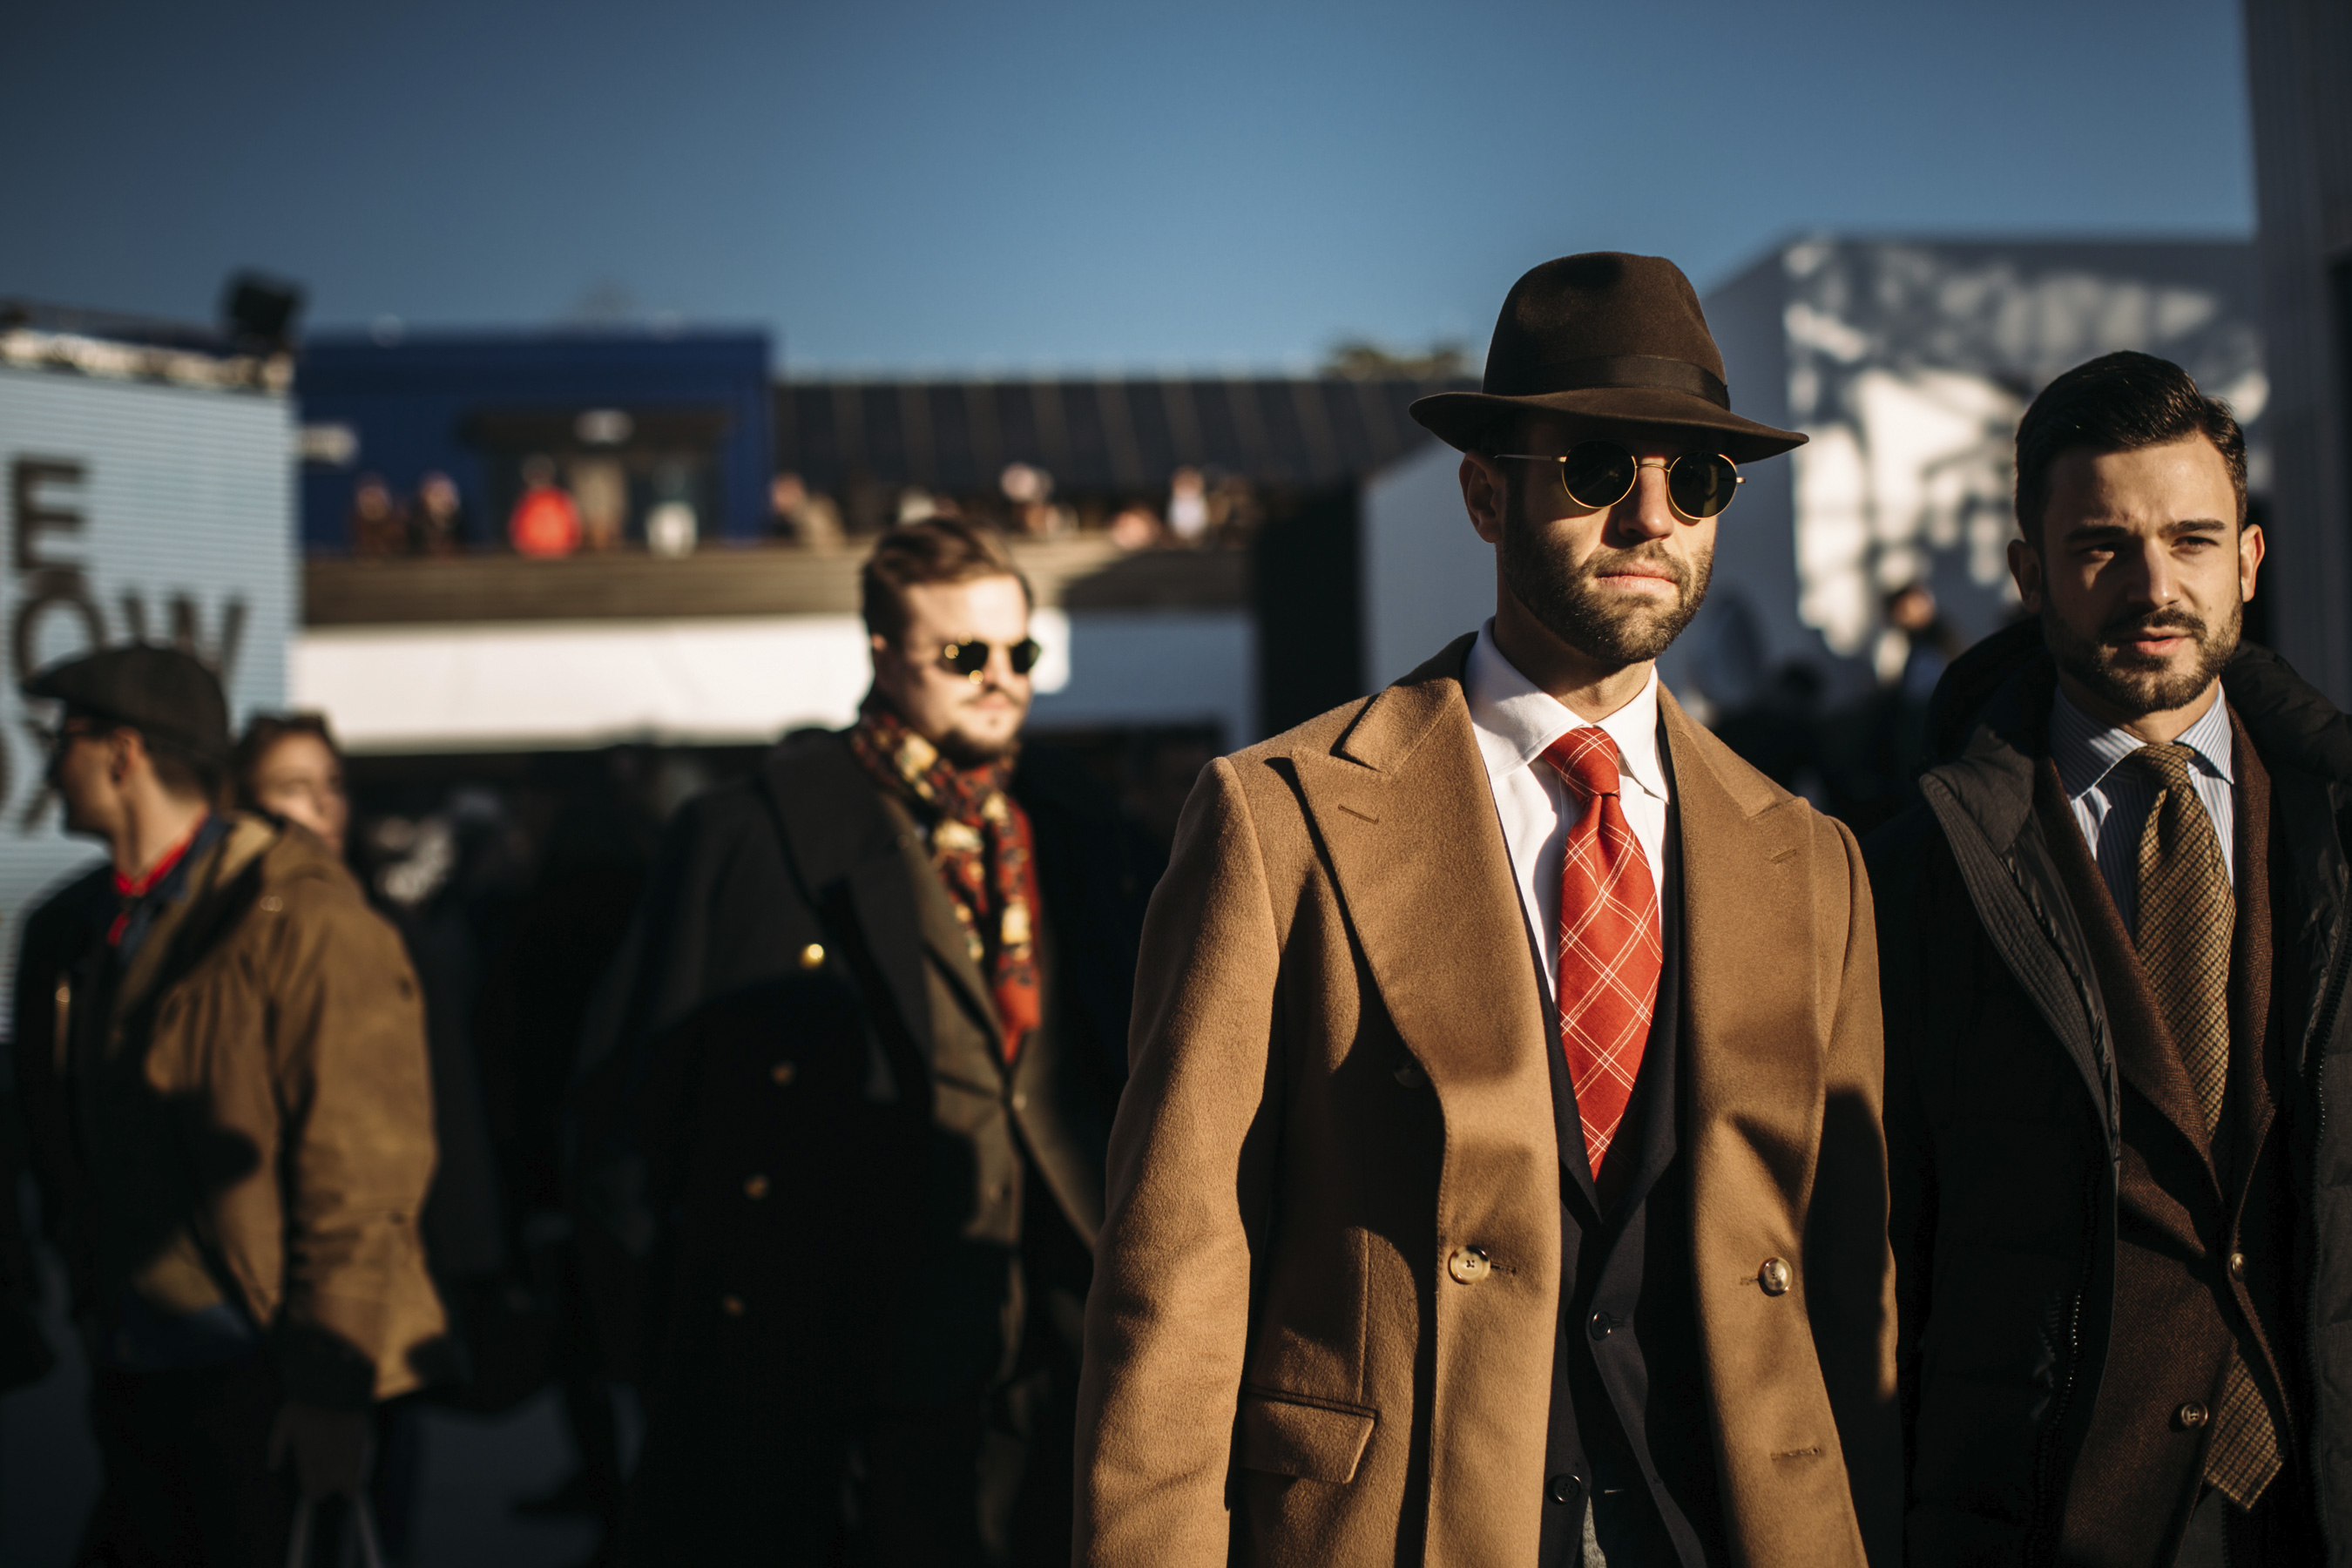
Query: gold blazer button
{"type": "Point", "coordinates": [812, 955]}
{"type": "Point", "coordinates": [1468, 1265]}
{"type": "Point", "coordinates": [1774, 1276]}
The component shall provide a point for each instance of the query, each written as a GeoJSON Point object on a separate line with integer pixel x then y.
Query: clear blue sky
{"type": "Point", "coordinates": [1015, 185]}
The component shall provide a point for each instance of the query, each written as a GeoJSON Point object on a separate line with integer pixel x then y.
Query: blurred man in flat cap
{"type": "Point", "coordinates": [1500, 1178]}
{"type": "Point", "coordinates": [221, 1057]}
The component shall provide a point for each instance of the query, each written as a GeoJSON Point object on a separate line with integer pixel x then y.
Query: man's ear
{"type": "Point", "coordinates": [2025, 570]}
{"type": "Point", "coordinates": [125, 750]}
{"type": "Point", "coordinates": [1486, 495]}
{"type": "Point", "coordinates": [2251, 547]}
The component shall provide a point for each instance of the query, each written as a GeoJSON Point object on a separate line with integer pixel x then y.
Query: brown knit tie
{"type": "Point", "coordinates": [2187, 912]}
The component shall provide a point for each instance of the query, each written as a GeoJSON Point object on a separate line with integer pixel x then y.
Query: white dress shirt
{"type": "Point", "coordinates": [1514, 721]}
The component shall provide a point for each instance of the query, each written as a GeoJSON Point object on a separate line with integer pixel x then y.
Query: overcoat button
{"type": "Point", "coordinates": [1774, 1276]}
{"type": "Point", "coordinates": [731, 1305]}
{"type": "Point", "coordinates": [1600, 1324]}
{"type": "Point", "coordinates": [2237, 1266]}
{"type": "Point", "coordinates": [812, 955]}
{"type": "Point", "coordinates": [1468, 1265]}
{"type": "Point", "coordinates": [2191, 1415]}
{"type": "Point", "coordinates": [782, 1073]}
{"type": "Point", "coordinates": [755, 1186]}
{"type": "Point", "coordinates": [1564, 1488]}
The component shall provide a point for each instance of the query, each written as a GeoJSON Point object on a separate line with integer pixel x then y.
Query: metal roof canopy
{"type": "Point", "coordinates": [1094, 435]}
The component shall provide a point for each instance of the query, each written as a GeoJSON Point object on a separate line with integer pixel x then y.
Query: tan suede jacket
{"type": "Point", "coordinates": [244, 1114]}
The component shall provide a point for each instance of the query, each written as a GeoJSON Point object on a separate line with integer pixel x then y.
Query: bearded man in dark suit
{"type": "Point", "coordinates": [2113, 941]}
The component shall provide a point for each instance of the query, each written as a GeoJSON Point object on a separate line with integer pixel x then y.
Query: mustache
{"type": "Point", "coordinates": [2124, 628]}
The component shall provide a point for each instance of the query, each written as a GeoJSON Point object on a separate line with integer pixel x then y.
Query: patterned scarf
{"type": "Point", "coordinates": [980, 843]}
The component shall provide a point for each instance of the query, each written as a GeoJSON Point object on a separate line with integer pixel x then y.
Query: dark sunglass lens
{"type": "Point", "coordinates": [1025, 654]}
{"type": "Point", "coordinates": [1702, 485]}
{"type": "Point", "coordinates": [1597, 473]}
{"type": "Point", "coordinates": [966, 658]}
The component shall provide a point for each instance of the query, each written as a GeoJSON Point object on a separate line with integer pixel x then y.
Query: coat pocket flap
{"type": "Point", "coordinates": [1285, 1435]}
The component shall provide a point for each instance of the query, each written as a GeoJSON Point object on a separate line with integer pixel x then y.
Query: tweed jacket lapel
{"type": "Point", "coordinates": [2146, 1057]}
{"type": "Point", "coordinates": [1404, 812]}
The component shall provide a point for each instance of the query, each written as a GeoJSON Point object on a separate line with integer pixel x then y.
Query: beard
{"type": "Point", "coordinates": [1567, 600]}
{"type": "Point", "coordinates": [2134, 683]}
{"type": "Point", "coordinates": [966, 745]}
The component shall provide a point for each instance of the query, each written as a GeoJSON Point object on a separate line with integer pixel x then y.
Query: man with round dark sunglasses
{"type": "Point", "coordinates": [1501, 1172]}
{"type": "Point", "coordinates": [970, 658]}
{"type": "Point", "coordinates": [872, 1013]}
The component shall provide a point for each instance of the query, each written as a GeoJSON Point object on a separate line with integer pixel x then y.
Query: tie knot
{"type": "Point", "coordinates": [2169, 763]}
{"type": "Point", "coordinates": [1587, 758]}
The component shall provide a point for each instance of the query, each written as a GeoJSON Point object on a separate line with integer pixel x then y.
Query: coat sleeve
{"type": "Point", "coordinates": [356, 1153]}
{"type": "Point", "coordinates": [1851, 1267]}
{"type": "Point", "coordinates": [1189, 1182]}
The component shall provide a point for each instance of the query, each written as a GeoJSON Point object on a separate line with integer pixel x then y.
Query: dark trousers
{"type": "Point", "coordinates": [186, 1481]}
{"type": "Point", "coordinates": [988, 1479]}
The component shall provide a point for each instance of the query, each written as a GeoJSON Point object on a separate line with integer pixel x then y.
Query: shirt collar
{"type": "Point", "coordinates": [2085, 752]}
{"type": "Point", "coordinates": [1514, 719]}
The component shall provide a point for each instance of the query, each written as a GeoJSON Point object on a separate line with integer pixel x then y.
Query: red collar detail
{"type": "Point", "coordinates": [124, 887]}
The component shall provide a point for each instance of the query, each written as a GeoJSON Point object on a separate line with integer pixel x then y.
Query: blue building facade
{"type": "Point", "coordinates": [626, 422]}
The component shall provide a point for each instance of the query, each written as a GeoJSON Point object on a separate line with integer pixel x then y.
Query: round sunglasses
{"type": "Point", "coordinates": [1597, 475]}
{"type": "Point", "coordinates": [970, 659]}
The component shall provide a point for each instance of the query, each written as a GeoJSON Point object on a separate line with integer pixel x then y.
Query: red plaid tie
{"type": "Point", "coordinates": [1609, 951]}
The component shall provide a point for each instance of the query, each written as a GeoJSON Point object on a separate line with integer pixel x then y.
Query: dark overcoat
{"type": "Point", "coordinates": [2011, 1094]}
{"type": "Point", "coordinates": [783, 1174]}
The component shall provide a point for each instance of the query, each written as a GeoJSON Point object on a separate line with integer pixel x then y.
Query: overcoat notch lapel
{"type": "Point", "coordinates": [1405, 814]}
{"type": "Point", "coordinates": [836, 834]}
{"type": "Point", "coordinates": [1755, 1056]}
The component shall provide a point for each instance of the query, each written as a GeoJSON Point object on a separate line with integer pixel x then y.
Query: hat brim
{"type": "Point", "coordinates": [44, 686]}
{"type": "Point", "coordinates": [1461, 419]}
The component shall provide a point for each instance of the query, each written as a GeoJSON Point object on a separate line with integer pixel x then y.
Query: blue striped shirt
{"type": "Point", "coordinates": [2111, 803]}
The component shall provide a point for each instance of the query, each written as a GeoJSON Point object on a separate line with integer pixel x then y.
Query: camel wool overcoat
{"type": "Point", "coordinates": [1326, 1292]}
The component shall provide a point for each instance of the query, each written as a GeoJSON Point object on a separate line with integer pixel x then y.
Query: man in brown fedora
{"type": "Point", "coordinates": [1500, 1177]}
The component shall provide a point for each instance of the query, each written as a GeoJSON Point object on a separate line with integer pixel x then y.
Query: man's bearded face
{"type": "Point", "coordinates": [1568, 597]}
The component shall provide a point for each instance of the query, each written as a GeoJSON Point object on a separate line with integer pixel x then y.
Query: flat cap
{"type": "Point", "coordinates": [162, 692]}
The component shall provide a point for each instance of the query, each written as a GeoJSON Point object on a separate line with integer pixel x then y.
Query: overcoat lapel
{"type": "Point", "coordinates": [1403, 811]}
{"type": "Point", "coordinates": [1753, 1067]}
{"type": "Point", "coordinates": [846, 849]}
{"type": "Point", "coordinates": [943, 935]}
{"type": "Point", "coordinates": [2145, 1056]}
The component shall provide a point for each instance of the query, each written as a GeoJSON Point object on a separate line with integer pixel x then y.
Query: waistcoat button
{"type": "Point", "coordinates": [812, 955]}
{"type": "Point", "coordinates": [1564, 1488]}
{"type": "Point", "coordinates": [2190, 1415]}
{"type": "Point", "coordinates": [782, 1073]}
{"type": "Point", "coordinates": [1600, 1325]}
{"type": "Point", "coordinates": [755, 1186]}
{"type": "Point", "coordinates": [1774, 1276]}
{"type": "Point", "coordinates": [2237, 1266]}
{"type": "Point", "coordinates": [731, 1305]}
{"type": "Point", "coordinates": [1468, 1265]}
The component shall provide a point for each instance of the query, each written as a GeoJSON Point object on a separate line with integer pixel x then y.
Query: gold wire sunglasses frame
{"type": "Point", "coordinates": [1717, 469]}
{"type": "Point", "coordinates": [970, 659]}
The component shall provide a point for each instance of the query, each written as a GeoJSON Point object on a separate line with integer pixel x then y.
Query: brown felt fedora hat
{"type": "Point", "coordinates": [1605, 339]}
